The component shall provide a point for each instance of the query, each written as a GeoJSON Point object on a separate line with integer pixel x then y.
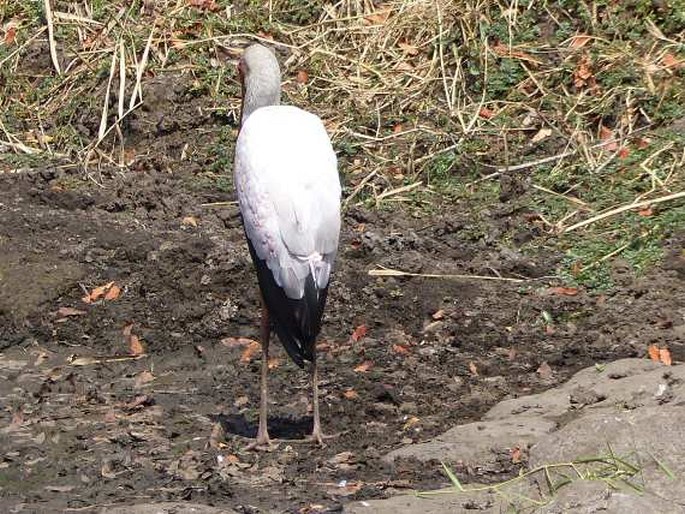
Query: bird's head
{"type": "Point", "coordinates": [260, 77]}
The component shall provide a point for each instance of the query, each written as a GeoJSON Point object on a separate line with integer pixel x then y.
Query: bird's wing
{"type": "Point", "coordinates": [289, 193]}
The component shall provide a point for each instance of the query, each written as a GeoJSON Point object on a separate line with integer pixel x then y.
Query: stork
{"type": "Point", "coordinates": [286, 177]}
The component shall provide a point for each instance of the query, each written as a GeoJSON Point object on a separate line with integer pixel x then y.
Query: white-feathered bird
{"type": "Point", "coordinates": [288, 188]}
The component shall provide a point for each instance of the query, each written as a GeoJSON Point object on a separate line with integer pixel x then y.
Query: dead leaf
{"type": "Point", "coordinates": [144, 377]}
{"type": "Point", "coordinates": [665, 356]}
{"type": "Point", "coordinates": [359, 333]}
{"type": "Point", "coordinates": [364, 367]}
{"type": "Point", "coordinates": [204, 5]}
{"type": "Point", "coordinates": [139, 401]}
{"type": "Point", "coordinates": [397, 128]}
{"type": "Point", "coordinates": [583, 76]}
{"type": "Point", "coordinates": [486, 113]}
{"type": "Point", "coordinates": [515, 455]}
{"type": "Point", "coordinates": [69, 311]}
{"type": "Point", "coordinates": [545, 370]}
{"type": "Point", "coordinates": [564, 291]}
{"type": "Point", "coordinates": [302, 77]}
{"type": "Point", "coordinates": [237, 342]}
{"type": "Point", "coordinates": [400, 349]}
{"type": "Point", "coordinates": [351, 394]}
{"type": "Point", "coordinates": [623, 152]}
{"type": "Point", "coordinates": [135, 346]}
{"type": "Point", "coordinates": [576, 268]}
{"type": "Point", "coordinates": [10, 35]}
{"type": "Point", "coordinates": [646, 212]}
{"type": "Point", "coordinates": [473, 369]}
{"type": "Point", "coordinates": [671, 61]}
{"type": "Point", "coordinates": [113, 292]}
{"type": "Point", "coordinates": [274, 362]}
{"type": "Point", "coordinates": [411, 421]}
{"type": "Point", "coordinates": [241, 401]}
{"type": "Point", "coordinates": [653, 352]}
{"type": "Point", "coordinates": [408, 48]}
{"type": "Point", "coordinates": [579, 41]}
{"type": "Point", "coordinates": [216, 438]}
{"type": "Point", "coordinates": [439, 314]}
{"type": "Point", "coordinates": [96, 293]}
{"type": "Point", "coordinates": [249, 352]}
{"type": "Point", "coordinates": [541, 134]}
{"type": "Point", "coordinates": [189, 221]}
{"type": "Point", "coordinates": [378, 18]}
{"type": "Point", "coordinates": [506, 51]}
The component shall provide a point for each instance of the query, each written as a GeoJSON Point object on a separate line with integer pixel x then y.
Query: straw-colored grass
{"type": "Point", "coordinates": [427, 101]}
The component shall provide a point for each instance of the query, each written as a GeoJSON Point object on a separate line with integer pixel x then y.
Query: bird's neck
{"type": "Point", "coordinates": [259, 92]}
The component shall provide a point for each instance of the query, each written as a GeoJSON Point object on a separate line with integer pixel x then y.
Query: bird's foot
{"type": "Point", "coordinates": [261, 444]}
{"type": "Point", "coordinates": [318, 437]}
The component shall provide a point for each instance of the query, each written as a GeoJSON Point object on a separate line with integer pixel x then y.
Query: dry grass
{"type": "Point", "coordinates": [421, 97]}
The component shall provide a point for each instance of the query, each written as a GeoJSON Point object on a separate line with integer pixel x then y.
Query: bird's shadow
{"type": "Point", "coordinates": [279, 427]}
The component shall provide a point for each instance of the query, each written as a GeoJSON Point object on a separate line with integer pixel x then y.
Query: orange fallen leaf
{"type": "Point", "coordinates": [351, 394]}
{"type": "Point", "coordinates": [564, 291]}
{"type": "Point", "coordinates": [671, 61]}
{"type": "Point", "coordinates": [486, 113]}
{"type": "Point", "coordinates": [364, 367]}
{"type": "Point", "coordinates": [397, 128]}
{"type": "Point", "coordinates": [515, 453]}
{"type": "Point", "coordinates": [400, 349]}
{"type": "Point", "coordinates": [237, 342]}
{"type": "Point", "coordinates": [646, 212]}
{"type": "Point", "coordinates": [96, 293]}
{"type": "Point", "coordinates": [274, 362]}
{"type": "Point", "coordinates": [359, 333]}
{"type": "Point", "coordinates": [665, 356]}
{"type": "Point", "coordinates": [302, 77]}
{"type": "Point", "coordinates": [623, 152]}
{"type": "Point", "coordinates": [249, 352]}
{"type": "Point", "coordinates": [135, 347]}
{"type": "Point", "coordinates": [10, 35]}
{"type": "Point", "coordinates": [232, 459]}
{"type": "Point", "coordinates": [653, 352]}
{"type": "Point", "coordinates": [113, 292]}
{"type": "Point", "coordinates": [473, 368]}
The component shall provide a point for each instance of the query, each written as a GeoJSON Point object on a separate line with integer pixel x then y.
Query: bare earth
{"type": "Point", "coordinates": [82, 429]}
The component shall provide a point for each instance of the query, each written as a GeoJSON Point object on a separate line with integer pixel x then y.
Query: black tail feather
{"type": "Point", "coordinates": [297, 322]}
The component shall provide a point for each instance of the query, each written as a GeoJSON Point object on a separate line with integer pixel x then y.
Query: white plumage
{"type": "Point", "coordinates": [289, 192]}
{"type": "Point", "coordinates": [288, 188]}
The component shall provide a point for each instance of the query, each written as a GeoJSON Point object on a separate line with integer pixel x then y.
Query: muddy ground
{"type": "Point", "coordinates": [83, 425]}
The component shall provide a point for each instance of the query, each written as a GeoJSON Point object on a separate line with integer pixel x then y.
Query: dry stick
{"type": "Point", "coordinates": [51, 36]}
{"type": "Point", "coordinates": [122, 78]}
{"type": "Point", "coordinates": [359, 187]}
{"type": "Point", "coordinates": [387, 272]}
{"type": "Point", "coordinates": [139, 72]}
{"type": "Point", "coordinates": [624, 208]}
{"type": "Point", "coordinates": [396, 191]}
{"type": "Point", "coordinates": [103, 117]}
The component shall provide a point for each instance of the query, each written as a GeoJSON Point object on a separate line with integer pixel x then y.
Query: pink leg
{"type": "Point", "coordinates": [262, 432]}
{"type": "Point", "coordinates": [316, 431]}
